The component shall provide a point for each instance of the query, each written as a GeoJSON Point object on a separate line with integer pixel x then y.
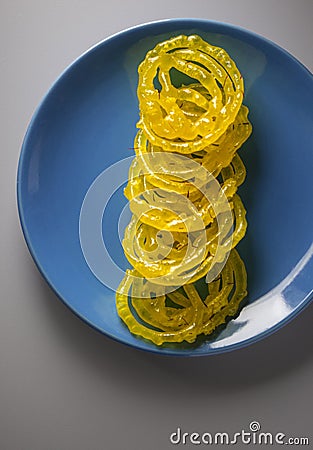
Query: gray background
{"type": "Point", "coordinates": [64, 386]}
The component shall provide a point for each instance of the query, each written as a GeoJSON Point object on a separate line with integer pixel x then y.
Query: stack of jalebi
{"type": "Point", "coordinates": [182, 189]}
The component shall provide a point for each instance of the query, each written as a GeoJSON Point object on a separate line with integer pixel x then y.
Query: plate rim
{"type": "Point", "coordinates": [163, 351]}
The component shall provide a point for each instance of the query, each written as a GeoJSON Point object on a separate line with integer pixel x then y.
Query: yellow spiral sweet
{"type": "Point", "coordinates": [182, 191]}
{"type": "Point", "coordinates": [189, 315]}
{"type": "Point", "coordinates": [183, 119]}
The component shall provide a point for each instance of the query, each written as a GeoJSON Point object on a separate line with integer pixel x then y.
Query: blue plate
{"type": "Point", "coordinates": [87, 122]}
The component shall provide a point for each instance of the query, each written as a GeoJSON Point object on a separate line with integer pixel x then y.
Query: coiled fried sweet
{"type": "Point", "coordinates": [214, 101]}
{"type": "Point", "coordinates": [182, 192]}
{"type": "Point", "coordinates": [188, 315]}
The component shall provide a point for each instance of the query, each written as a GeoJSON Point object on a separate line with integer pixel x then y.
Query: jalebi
{"type": "Point", "coordinates": [165, 116]}
{"type": "Point", "coordinates": [164, 260]}
{"type": "Point", "coordinates": [182, 191]}
{"type": "Point", "coordinates": [188, 315]}
{"type": "Point", "coordinates": [156, 206]}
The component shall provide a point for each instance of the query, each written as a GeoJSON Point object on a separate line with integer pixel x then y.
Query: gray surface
{"type": "Point", "coordinates": [63, 386]}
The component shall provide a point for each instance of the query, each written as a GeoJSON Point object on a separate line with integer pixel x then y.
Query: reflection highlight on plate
{"type": "Point", "coordinates": [269, 310]}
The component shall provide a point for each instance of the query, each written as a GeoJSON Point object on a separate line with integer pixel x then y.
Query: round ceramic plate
{"type": "Point", "coordinates": [87, 123]}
